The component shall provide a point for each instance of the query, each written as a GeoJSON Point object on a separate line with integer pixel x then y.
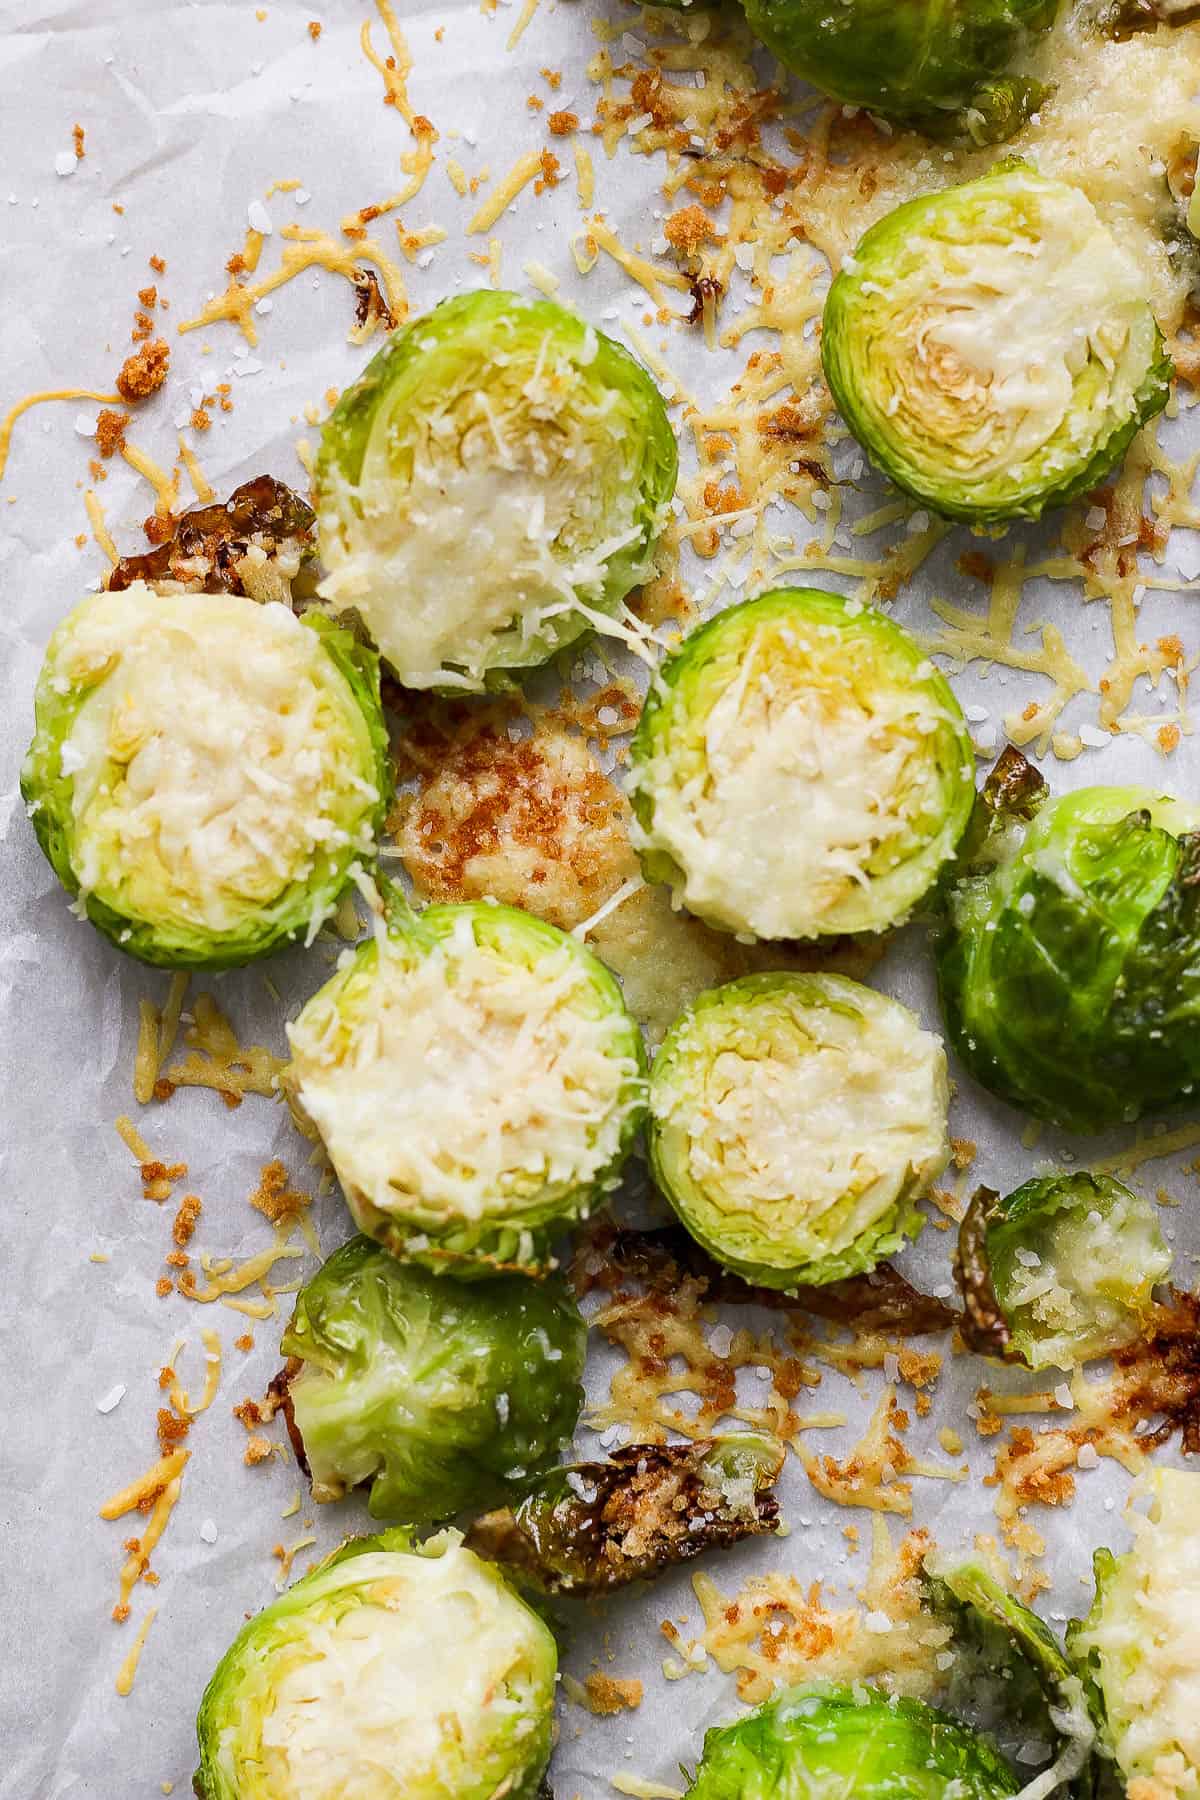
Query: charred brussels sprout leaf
{"type": "Point", "coordinates": [435, 1393]}
{"type": "Point", "coordinates": [801, 769]}
{"type": "Point", "coordinates": [822, 1740]}
{"type": "Point", "coordinates": [1136, 1650]}
{"type": "Point", "coordinates": [992, 347]}
{"type": "Point", "coordinates": [389, 1669]}
{"type": "Point", "coordinates": [600, 1526]}
{"type": "Point", "coordinates": [795, 1121]}
{"type": "Point", "coordinates": [1061, 1270]}
{"type": "Point", "coordinates": [205, 771]}
{"type": "Point", "coordinates": [496, 478]}
{"type": "Point", "coordinates": [932, 63]}
{"type": "Point", "coordinates": [1070, 965]}
{"type": "Point", "coordinates": [253, 543]}
{"type": "Point", "coordinates": [477, 1082]}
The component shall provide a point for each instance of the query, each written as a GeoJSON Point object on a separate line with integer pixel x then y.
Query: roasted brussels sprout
{"type": "Point", "coordinates": [1136, 1647]}
{"type": "Point", "coordinates": [1059, 1271]}
{"type": "Point", "coordinates": [438, 1394]}
{"type": "Point", "coordinates": [932, 63]}
{"type": "Point", "coordinates": [795, 1121]}
{"type": "Point", "coordinates": [254, 543]}
{"type": "Point", "coordinates": [204, 771]}
{"type": "Point", "coordinates": [390, 1669]}
{"type": "Point", "coordinates": [1070, 965]}
{"type": "Point", "coordinates": [599, 1526]}
{"type": "Point", "coordinates": [992, 347]}
{"type": "Point", "coordinates": [476, 1081]}
{"type": "Point", "coordinates": [820, 1740]}
{"type": "Point", "coordinates": [801, 769]}
{"type": "Point", "coordinates": [496, 477]}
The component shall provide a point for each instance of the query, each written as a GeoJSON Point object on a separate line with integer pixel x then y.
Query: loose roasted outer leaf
{"type": "Point", "coordinates": [600, 1526]}
{"type": "Point", "coordinates": [983, 1327]}
{"type": "Point", "coordinates": [211, 544]}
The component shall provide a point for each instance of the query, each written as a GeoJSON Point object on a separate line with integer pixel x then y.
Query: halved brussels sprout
{"type": "Point", "coordinates": [204, 771]}
{"type": "Point", "coordinates": [1061, 1270]}
{"type": "Point", "coordinates": [1070, 967]}
{"type": "Point", "coordinates": [436, 1393]}
{"type": "Point", "coordinates": [1010, 1674]}
{"type": "Point", "coordinates": [821, 1740]}
{"type": "Point", "coordinates": [1137, 1647]}
{"type": "Point", "coordinates": [477, 1083]}
{"type": "Point", "coordinates": [992, 347]}
{"type": "Point", "coordinates": [795, 1121]}
{"type": "Point", "coordinates": [929, 62]}
{"type": "Point", "coordinates": [390, 1669]}
{"type": "Point", "coordinates": [599, 1526]}
{"type": "Point", "coordinates": [801, 769]}
{"type": "Point", "coordinates": [499, 465]}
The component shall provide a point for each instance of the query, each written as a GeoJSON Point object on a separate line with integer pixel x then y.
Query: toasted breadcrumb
{"type": "Point", "coordinates": [143, 373]}
{"type": "Point", "coordinates": [257, 1451]}
{"type": "Point", "coordinates": [562, 124]}
{"type": "Point", "coordinates": [609, 1694]}
{"type": "Point", "coordinates": [110, 430]}
{"type": "Point", "coordinates": [245, 1342]}
{"type": "Point", "coordinates": [185, 1219]}
{"type": "Point", "coordinates": [314, 29]}
{"type": "Point", "coordinates": [78, 134]}
{"type": "Point", "coordinates": [274, 1198]}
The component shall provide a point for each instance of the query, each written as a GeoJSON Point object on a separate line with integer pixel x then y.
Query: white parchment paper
{"type": "Point", "coordinates": [190, 111]}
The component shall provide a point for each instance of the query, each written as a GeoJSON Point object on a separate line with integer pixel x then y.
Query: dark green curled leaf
{"type": "Point", "coordinates": [598, 1526]}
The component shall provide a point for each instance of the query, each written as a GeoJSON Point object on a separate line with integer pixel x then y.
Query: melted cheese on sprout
{"type": "Point", "coordinates": [214, 758]}
{"type": "Point", "coordinates": [463, 1083]}
{"type": "Point", "coordinates": [483, 517]}
{"type": "Point", "coordinates": [1147, 1640]}
{"type": "Point", "coordinates": [801, 1126]}
{"type": "Point", "coordinates": [1013, 339]}
{"type": "Point", "coordinates": [427, 1677]}
{"type": "Point", "coordinates": [806, 790]}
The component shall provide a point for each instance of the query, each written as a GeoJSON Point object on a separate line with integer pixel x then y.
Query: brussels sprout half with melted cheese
{"type": "Point", "coordinates": [388, 1670]}
{"type": "Point", "coordinates": [795, 1121]}
{"type": "Point", "coordinates": [992, 347]}
{"type": "Point", "coordinates": [204, 771]}
{"type": "Point", "coordinates": [821, 1740]}
{"type": "Point", "coordinates": [476, 1081]}
{"type": "Point", "coordinates": [436, 1393]}
{"type": "Point", "coordinates": [1069, 969]}
{"type": "Point", "coordinates": [801, 769]}
{"type": "Point", "coordinates": [1137, 1649]}
{"type": "Point", "coordinates": [495, 478]}
{"type": "Point", "coordinates": [936, 63]}
{"type": "Point", "coordinates": [1061, 1270]}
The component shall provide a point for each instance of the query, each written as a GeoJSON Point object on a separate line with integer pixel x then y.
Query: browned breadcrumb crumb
{"type": "Point", "coordinates": [609, 1694]}
{"type": "Point", "coordinates": [314, 29]}
{"type": "Point", "coordinates": [200, 420]}
{"type": "Point", "coordinates": [80, 539]}
{"type": "Point", "coordinates": [172, 1429]}
{"type": "Point", "coordinates": [162, 1287]}
{"type": "Point", "coordinates": [439, 34]}
{"type": "Point", "coordinates": [96, 470]}
{"type": "Point", "coordinates": [562, 124]}
{"type": "Point", "coordinates": [190, 1209]}
{"type": "Point", "coordinates": [250, 1414]}
{"type": "Point", "coordinates": [118, 208]}
{"type": "Point", "coordinates": [551, 172]}
{"type": "Point", "coordinates": [552, 77]}
{"type": "Point", "coordinates": [423, 127]}
{"type": "Point", "coordinates": [257, 1451]}
{"type": "Point", "coordinates": [110, 430]}
{"type": "Point", "coordinates": [143, 327]}
{"type": "Point", "coordinates": [177, 1259]}
{"type": "Point", "coordinates": [963, 1152]}
{"type": "Point", "coordinates": [143, 373]}
{"type": "Point", "coordinates": [158, 265]}
{"type": "Point", "coordinates": [165, 1377]}
{"type": "Point", "coordinates": [245, 1342]}
{"type": "Point", "coordinates": [78, 134]}
{"type": "Point", "coordinates": [158, 527]}
{"type": "Point", "coordinates": [148, 296]}
{"type": "Point", "coordinates": [689, 229]}
{"type": "Point", "coordinates": [1168, 738]}
{"type": "Point", "coordinates": [273, 1196]}
{"type": "Point", "coordinates": [120, 1612]}
{"type": "Point", "coordinates": [534, 102]}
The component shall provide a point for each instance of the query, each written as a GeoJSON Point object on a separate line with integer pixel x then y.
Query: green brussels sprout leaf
{"type": "Point", "coordinates": [388, 1668]}
{"type": "Point", "coordinates": [952, 343]}
{"type": "Point", "coordinates": [435, 1393]}
{"type": "Point", "coordinates": [599, 1526]}
{"type": "Point", "coordinates": [490, 486]}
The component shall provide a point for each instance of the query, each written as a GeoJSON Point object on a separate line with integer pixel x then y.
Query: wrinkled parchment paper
{"type": "Point", "coordinates": [190, 111]}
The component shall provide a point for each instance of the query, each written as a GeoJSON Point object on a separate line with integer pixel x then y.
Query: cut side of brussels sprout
{"type": "Point", "coordinates": [795, 1121]}
{"type": "Point", "coordinates": [254, 543]}
{"type": "Point", "coordinates": [801, 769]}
{"type": "Point", "coordinates": [1137, 1647]}
{"type": "Point", "coordinates": [205, 771]}
{"type": "Point", "coordinates": [477, 1084]}
{"type": "Point", "coordinates": [599, 1526]}
{"type": "Point", "coordinates": [387, 1670]}
{"type": "Point", "coordinates": [500, 465]}
{"type": "Point", "coordinates": [1068, 1262]}
{"type": "Point", "coordinates": [992, 347]}
{"type": "Point", "coordinates": [822, 1741]}
{"type": "Point", "coordinates": [924, 61]}
{"type": "Point", "coordinates": [436, 1393]}
{"type": "Point", "coordinates": [1070, 967]}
